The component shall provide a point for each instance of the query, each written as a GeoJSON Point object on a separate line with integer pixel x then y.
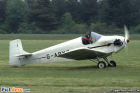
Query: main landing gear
{"type": "Point", "coordinates": [101, 64]}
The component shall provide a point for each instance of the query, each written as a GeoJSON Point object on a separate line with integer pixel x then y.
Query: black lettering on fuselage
{"type": "Point", "coordinates": [48, 56]}
{"type": "Point", "coordinates": [55, 55]}
{"type": "Point", "coordinates": [63, 52]}
{"type": "Point", "coordinates": [59, 53]}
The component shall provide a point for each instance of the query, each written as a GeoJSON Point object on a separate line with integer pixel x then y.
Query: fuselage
{"type": "Point", "coordinates": [51, 54]}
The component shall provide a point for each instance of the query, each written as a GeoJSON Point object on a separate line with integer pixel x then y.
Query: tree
{"type": "Point", "coordinates": [43, 14]}
{"type": "Point", "coordinates": [60, 8]}
{"type": "Point", "coordinates": [73, 7]}
{"type": "Point", "coordinates": [89, 11]}
{"type": "Point", "coordinates": [66, 23]}
{"type": "Point", "coordinates": [136, 12]}
{"type": "Point", "coordinates": [2, 10]}
{"type": "Point", "coordinates": [2, 15]}
{"type": "Point", "coordinates": [16, 13]}
{"type": "Point", "coordinates": [119, 12]}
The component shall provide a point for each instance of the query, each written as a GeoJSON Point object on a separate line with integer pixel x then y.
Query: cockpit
{"type": "Point", "coordinates": [90, 38]}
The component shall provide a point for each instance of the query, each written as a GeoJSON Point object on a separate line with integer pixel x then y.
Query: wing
{"type": "Point", "coordinates": [82, 54]}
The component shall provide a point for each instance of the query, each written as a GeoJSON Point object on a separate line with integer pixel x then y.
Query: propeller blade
{"type": "Point", "coordinates": [126, 32]}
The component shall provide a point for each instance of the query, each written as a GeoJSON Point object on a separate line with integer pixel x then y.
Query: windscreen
{"type": "Point", "coordinates": [95, 36]}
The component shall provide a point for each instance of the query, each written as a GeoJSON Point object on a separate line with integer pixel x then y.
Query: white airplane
{"type": "Point", "coordinates": [99, 47]}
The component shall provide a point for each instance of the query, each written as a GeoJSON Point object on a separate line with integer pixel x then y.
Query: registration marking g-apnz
{"type": "Point", "coordinates": [49, 56]}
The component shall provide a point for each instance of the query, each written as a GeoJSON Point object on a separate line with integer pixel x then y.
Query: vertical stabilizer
{"type": "Point", "coordinates": [16, 53]}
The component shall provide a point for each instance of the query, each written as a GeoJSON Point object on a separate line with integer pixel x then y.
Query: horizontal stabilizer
{"type": "Point", "coordinates": [26, 54]}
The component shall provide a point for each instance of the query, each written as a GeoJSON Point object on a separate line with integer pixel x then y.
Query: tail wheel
{"type": "Point", "coordinates": [101, 65]}
{"type": "Point", "coordinates": [112, 64]}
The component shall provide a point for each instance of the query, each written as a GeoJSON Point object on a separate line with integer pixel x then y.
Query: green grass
{"type": "Point", "coordinates": [71, 77]}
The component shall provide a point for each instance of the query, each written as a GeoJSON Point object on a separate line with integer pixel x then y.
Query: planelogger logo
{"type": "Point", "coordinates": [13, 89]}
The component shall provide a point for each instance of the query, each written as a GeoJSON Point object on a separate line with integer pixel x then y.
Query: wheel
{"type": "Point", "coordinates": [113, 64]}
{"type": "Point", "coordinates": [101, 65]}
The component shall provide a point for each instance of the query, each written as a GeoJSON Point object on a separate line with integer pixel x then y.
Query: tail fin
{"type": "Point", "coordinates": [17, 53]}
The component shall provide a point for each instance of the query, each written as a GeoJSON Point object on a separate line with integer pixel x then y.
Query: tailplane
{"type": "Point", "coordinates": [16, 53]}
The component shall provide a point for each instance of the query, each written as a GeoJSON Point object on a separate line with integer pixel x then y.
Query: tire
{"type": "Point", "coordinates": [101, 65]}
{"type": "Point", "coordinates": [113, 64]}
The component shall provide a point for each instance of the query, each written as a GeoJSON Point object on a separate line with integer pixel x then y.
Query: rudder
{"type": "Point", "coordinates": [15, 50]}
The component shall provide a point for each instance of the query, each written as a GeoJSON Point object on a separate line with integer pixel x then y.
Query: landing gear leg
{"type": "Point", "coordinates": [110, 63]}
{"type": "Point", "coordinates": [101, 64]}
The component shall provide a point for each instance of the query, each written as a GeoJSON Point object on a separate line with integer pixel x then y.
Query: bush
{"type": "Point", "coordinates": [3, 29]}
{"type": "Point", "coordinates": [135, 29]}
{"type": "Point", "coordinates": [103, 28]}
{"type": "Point", "coordinates": [98, 27]}
{"type": "Point", "coordinates": [79, 29]}
{"type": "Point", "coordinates": [26, 28]}
{"type": "Point", "coordinates": [66, 24]}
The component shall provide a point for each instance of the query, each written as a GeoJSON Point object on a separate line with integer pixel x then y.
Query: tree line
{"type": "Point", "coordinates": [68, 16]}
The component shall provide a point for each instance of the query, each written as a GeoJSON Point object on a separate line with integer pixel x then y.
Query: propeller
{"type": "Point", "coordinates": [126, 32]}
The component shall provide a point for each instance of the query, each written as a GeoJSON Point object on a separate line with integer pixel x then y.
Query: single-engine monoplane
{"type": "Point", "coordinates": [91, 46]}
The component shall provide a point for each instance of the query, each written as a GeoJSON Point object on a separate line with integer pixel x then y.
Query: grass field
{"type": "Point", "coordinates": [70, 77]}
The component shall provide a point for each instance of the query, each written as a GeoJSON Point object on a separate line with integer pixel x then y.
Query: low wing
{"type": "Point", "coordinates": [82, 54]}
